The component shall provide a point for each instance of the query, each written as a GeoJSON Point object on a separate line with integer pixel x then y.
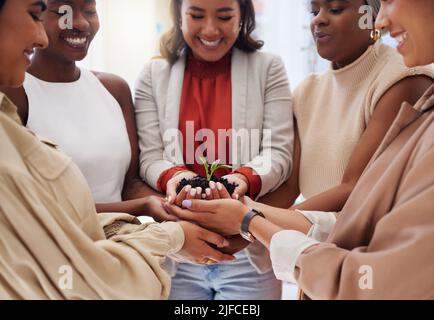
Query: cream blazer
{"type": "Point", "coordinates": [261, 101]}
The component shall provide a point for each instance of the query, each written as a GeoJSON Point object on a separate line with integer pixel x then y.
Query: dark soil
{"type": "Point", "coordinates": [203, 183]}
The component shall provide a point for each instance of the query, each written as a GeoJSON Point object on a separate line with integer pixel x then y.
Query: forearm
{"type": "Point", "coordinates": [136, 189]}
{"type": "Point", "coordinates": [137, 207]}
{"type": "Point", "coordinates": [263, 230]}
{"type": "Point", "coordinates": [332, 200]}
{"type": "Point", "coordinates": [284, 218]}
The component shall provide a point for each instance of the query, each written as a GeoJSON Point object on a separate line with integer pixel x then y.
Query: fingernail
{"type": "Point", "coordinates": [203, 196]}
{"type": "Point", "coordinates": [198, 190]}
{"type": "Point", "coordinates": [225, 243]}
{"type": "Point", "coordinates": [169, 199]}
{"type": "Point", "coordinates": [219, 186]}
{"type": "Point", "coordinates": [188, 188]}
{"type": "Point", "coordinates": [212, 185]}
{"type": "Point", "coordinates": [193, 192]}
{"type": "Point", "coordinates": [208, 192]}
{"type": "Point", "coordinates": [237, 197]}
{"type": "Point", "coordinates": [186, 204]}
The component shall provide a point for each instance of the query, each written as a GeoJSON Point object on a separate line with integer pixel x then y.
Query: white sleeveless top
{"type": "Point", "coordinates": [87, 123]}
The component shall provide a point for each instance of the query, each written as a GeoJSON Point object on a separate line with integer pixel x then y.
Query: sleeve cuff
{"type": "Point", "coordinates": [285, 249]}
{"type": "Point", "coordinates": [176, 234]}
{"type": "Point", "coordinates": [322, 224]}
{"type": "Point", "coordinates": [255, 182]}
{"type": "Point", "coordinates": [166, 176]}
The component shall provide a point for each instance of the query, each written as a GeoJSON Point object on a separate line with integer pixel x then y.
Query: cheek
{"type": "Point", "coordinates": [231, 31]}
{"type": "Point", "coordinates": [190, 29]}
{"type": "Point", "coordinates": [95, 25]}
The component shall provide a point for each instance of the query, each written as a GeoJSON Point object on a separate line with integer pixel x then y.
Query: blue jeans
{"type": "Point", "coordinates": [238, 280]}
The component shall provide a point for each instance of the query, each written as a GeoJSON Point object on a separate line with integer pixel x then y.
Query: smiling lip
{"type": "Point", "coordinates": [210, 44]}
{"type": "Point", "coordinates": [76, 41]}
{"type": "Point", "coordinates": [322, 37]}
{"type": "Point", "coordinates": [401, 38]}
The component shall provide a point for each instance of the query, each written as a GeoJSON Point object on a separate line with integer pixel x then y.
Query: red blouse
{"type": "Point", "coordinates": [206, 110]}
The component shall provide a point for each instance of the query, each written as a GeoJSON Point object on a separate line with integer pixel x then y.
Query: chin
{"type": "Point", "coordinates": [16, 81]}
{"type": "Point", "coordinates": [326, 55]}
{"type": "Point", "coordinates": [412, 60]}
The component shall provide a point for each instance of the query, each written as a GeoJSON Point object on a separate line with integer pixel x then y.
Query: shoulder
{"type": "Point", "coordinates": [157, 66]}
{"type": "Point", "coordinates": [116, 85]}
{"type": "Point", "coordinates": [261, 58]}
{"type": "Point", "coordinates": [157, 71]}
{"type": "Point", "coordinates": [391, 67]}
{"type": "Point", "coordinates": [396, 82]}
{"type": "Point", "coordinates": [311, 83]}
{"type": "Point", "coordinates": [19, 98]}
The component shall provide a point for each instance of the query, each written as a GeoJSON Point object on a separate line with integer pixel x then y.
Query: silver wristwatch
{"type": "Point", "coordinates": [245, 224]}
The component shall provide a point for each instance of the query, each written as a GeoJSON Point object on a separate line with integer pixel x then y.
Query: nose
{"type": "Point", "coordinates": [320, 19]}
{"type": "Point", "coordinates": [382, 21]}
{"type": "Point", "coordinates": [210, 29]}
{"type": "Point", "coordinates": [80, 21]}
{"type": "Point", "coordinates": [42, 38]}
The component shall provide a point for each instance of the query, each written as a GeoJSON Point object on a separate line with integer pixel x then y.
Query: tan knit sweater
{"type": "Point", "coordinates": [334, 109]}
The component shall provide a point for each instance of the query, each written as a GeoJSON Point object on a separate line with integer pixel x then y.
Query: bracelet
{"type": "Point", "coordinates": [245, 224]}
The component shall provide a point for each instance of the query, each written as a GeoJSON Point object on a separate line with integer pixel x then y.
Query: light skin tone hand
{"type": "Point", "coordinates": [215, 191]}
{"type": "Point", "coordinates": [241, 181]}
{"type": "Point", "coordinates": [198, 245]}
{"type": "Point", "coordinates": [225, 217]}
{"type": "Point", "coordinates": [173, 183]}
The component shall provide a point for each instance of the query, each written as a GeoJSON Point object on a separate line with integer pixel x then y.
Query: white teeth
{"type": "Point", "coordinates": [76, 41]}
{"type": "Point", "coordinates": [210, 43]}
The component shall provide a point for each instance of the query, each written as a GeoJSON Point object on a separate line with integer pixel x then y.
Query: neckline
{"type": "Point", "coordinates": [359, 70]}
{"type": "Point", "coordinates": [59, 83]}
{"type": "Point", "coordinates": [206, 69]}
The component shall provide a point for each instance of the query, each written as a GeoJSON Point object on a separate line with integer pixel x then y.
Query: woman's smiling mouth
{"type": "Point", "coordinates": [210, 44]}
{"type": "Point", "coordinates": [76, 41]}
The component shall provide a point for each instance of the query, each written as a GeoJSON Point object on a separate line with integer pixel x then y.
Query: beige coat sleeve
{"type": "Point", "coordinates": [274, 163]}
{"type": "Point", "coordinates": [397, 263]}
{"type": "Point", "coordinates": [46, 255]}
{"type": "Point", "coordinates": [153, 160]}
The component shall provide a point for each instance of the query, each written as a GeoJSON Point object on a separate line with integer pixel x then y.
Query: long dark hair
{"type": "Point", "coordinates": [173, 41]}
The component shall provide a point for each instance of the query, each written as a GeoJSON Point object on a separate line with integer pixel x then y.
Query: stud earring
{"type": "Point", "coordinates": [375, 35]}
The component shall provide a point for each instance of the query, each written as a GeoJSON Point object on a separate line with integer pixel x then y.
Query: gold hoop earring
{"type": "Point", "coordinates": [376, 35]}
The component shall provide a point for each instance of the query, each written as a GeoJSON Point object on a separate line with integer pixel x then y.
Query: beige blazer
{"type": "Point", "coordinates": [261, 100]}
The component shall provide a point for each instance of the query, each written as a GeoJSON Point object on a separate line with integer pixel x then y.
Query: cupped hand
{"type": "Point", "coordinates": [222, 216]}
{"type": "Point", "coordinates": [241, 182]}
{"type": "Point", "coordinates": [173, 184]}
{"type": "Point", "coordinates": [198, 245]}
